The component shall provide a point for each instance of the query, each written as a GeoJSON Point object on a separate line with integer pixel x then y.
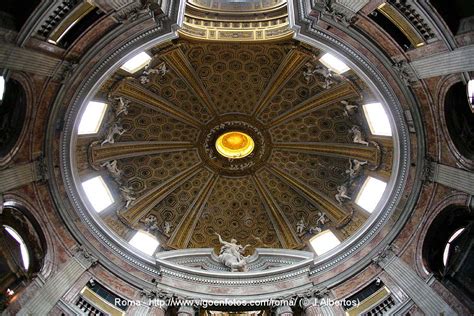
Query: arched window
{"type": "Point", "coordinates": [453, 12]}
{"type": "Point", "coordinates": [460, 120]}
{"type": "Point", "coordinates": [22, 252]}
{"type": "Point", "coordinates": [449, 253]}
{"type": "Point", "coordinates": [12, 115]}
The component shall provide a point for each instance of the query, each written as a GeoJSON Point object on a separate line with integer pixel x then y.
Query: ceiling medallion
{"type": "Point", "coordinates": [235, 145]}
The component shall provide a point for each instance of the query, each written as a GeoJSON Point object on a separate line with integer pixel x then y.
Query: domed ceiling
{"type": "Point", "coordinates": [156, 146]}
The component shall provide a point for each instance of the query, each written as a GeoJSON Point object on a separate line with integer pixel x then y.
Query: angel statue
{"type": "Point", "coordinates": [342, 194]}
{"type": "Point", "coordinates": [358, 138]}
{"type": "Point", "coordinates": [232, 255]}
{"type": "Point", "coordinates": [300, 226]}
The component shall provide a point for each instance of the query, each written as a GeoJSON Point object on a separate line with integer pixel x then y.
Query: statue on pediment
{"type": "Point", "coordinates": [232, 255]}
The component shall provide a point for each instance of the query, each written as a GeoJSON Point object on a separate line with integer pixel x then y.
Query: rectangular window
{"type": "Point", "coordinates": [470, 94]}
{"type": "Point", "coordinates": [136, 63]}
{"type": "Point", "coordinates": [92, 118]}
{"type": "Point", "coordinates": [98, 193]}
{"type": "Point", "coordinates": [334, 64]}
{"type": "Point", "coordinates": [144, 242]}
{"type": "Point", "coordinates": [2, 87]}
{"type": "Point", "coordinates": [377, 119]}
{"type": "Point", "coordinates": [370, 194]}
{"type": "Point", "coordinates": [324, 241]}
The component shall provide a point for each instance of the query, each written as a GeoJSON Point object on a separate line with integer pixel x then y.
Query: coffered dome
{"type": "Point", "coordinates": [299, 129]}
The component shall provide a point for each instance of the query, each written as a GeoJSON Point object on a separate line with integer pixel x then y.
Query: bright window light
{"type": "Point", "coordinates": [470, 93]}
{"type": "Point", "coordinates": [324, 241]}
{"type": "Point", "coordinates": [370, 194]}
{"type": "Point", "coordinates": [24, 251]}
{"type": "Point", "coordinates": [144, 242]}
{"type": "Point", "coordinates": [377, 119]}
{"type": "Point", "coordinates": [98, 193]}
{"type": "Point", "coordinates": [446, 249]}
{"type": "Point", "coordinates": [2, 87]}
{"type": "Point", "coordinates": [92, 118]}
{"type": "Point", "coordinates": [136, 63]}
{"type": "Point", "coordinates": [334, 63]}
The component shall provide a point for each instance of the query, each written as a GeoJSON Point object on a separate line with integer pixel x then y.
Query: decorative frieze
{"type": "Point", "coordinates": [23, 59]}
{"type": "Point", "coordinates": [19, 175]}
{"type": "Point", "coordinates": [415, 287]}
{"type": "Point", "coordinates": [455, 178]}
{"type": "Point", "coordinates": [456, 61]}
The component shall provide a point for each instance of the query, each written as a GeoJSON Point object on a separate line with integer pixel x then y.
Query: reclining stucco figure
{"type": "Point", "coordinates": [232, 255]}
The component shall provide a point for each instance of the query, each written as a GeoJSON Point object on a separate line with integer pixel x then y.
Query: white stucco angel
{"type": "Point", "coordinates": [112, 167]}
{"type": "Point", "coordinates": [322, 219]}
{"type": "Point", "coordinates": [349, 108]}
{"type": "Point", "coordinates": [355, 167]}
{"type": "Point", "coordinates": [121, 106]}
{"type": "Point", "coordinates": [115, 129]}
{"type": "Point", "coordinates": [232, 255]}
{"type": "Point", "coordinates": [167, 227]}
{"type": "Point", "coordinates": [341, 195]}
{"type": "Point", "coordinates": [358, 138]}
{"type": "Point", "coordinates": [300, 226]}
{"type": "Point", "coordinates": [127, 195]}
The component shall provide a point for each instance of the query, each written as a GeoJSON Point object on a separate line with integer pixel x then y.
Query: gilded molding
{"type": "Point", "coordinates": [317, 198]}
{"type": "Point", "coordinates": [293, 62]}
{"type": "Point", "coordinates": [146, 202]}
{"type": "Point", "coordinates": [182, 233]}
{"type": "Point", "coordinates": [175, 59]}
{"type": "Point", "coordinates": [133, 91]}
{"type": "Point", "coordinates": [327, 97]}
{"type": "Point", "coordinates": [356, 151]}
{"type": "Point", "coordinates": [281, 224]}
{"type": "Point", "coordinates": [399, 20]}
{"type": "Point", "coordinates": [123, 150]}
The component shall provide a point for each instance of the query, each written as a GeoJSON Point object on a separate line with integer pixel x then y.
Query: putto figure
{"type": "Point", "coordinates": [358, 138]}
{"type": "Point", "coordinates": [115, 129]}
{"type": "Point", "coordinates": [232, 255]}
{"type": "Point", "coordinates": [341, 195]}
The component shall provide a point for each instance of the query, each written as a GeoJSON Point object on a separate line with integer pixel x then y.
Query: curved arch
{"type": "Point", "coordinates": [452, 267]}
{"type": "Point", "coordinates": [23, 248]}
{"type": "Point", "coordinates": [31, 215]}
{"type": "Point", "coordinates": [454, 143]}
{"type": "Point", "coordinates": [21, 111]}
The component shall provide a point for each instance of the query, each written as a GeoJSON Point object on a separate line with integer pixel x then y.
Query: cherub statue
{"type": "Point", "coordinates": [354, 167]}
{"type": "Point", "coordinates": [121, 106]}
{"type": "Point", "coordinates": [161, 70]}
{"type": "Point", "coordinates": [322, 219]}
{"type": "Point", "coordinates": [327, 75]}
{"type": "Point", "coordinates": [349, 109]}
{"type": "Point", "coordinates": [314, 230]}
{"type": "Point", "coordinates": [127, 194]}
{"type": "Point", "coordinates": [342, 194]}
{"type": "Point", "coordinates": [308, 74]}
{"type": "Point", "coordinates": [115, 129]}
{"type": "Point", "coordinates": [167, 227]}
{"type": "Point", "coordinates": [300, 226]}
{"type": "Point", "coordinates": [358, 138]}
{"type": "Point", "coordinates": [150, 223]}
{"type": "Point", "coordinates": [112, 168]}
{"type": "Point", "coordinates": [232, 255]}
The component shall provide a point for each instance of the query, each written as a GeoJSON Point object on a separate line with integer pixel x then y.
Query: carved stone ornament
{"type": "Point", "coordinates": [384, 256]}
{"type": "Point", "coordinates": [336, 12]}
{"type": "Point", "coordinates": [85, 257]}
{"type": "Point", "coordinates": [429, 170]}
{"type": "Point", "coordinates": [405, 72]}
